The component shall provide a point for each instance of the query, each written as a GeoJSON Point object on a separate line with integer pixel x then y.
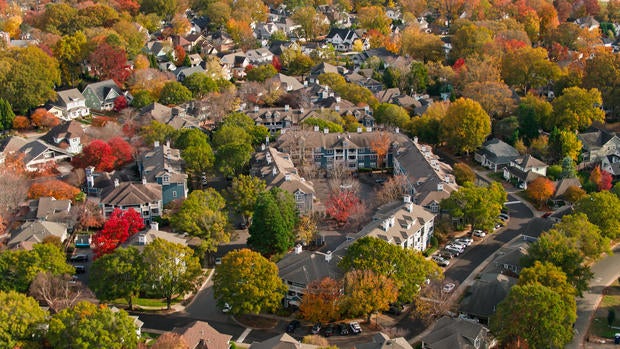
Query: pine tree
{"type": "Point", "coordinates": [6, 115]}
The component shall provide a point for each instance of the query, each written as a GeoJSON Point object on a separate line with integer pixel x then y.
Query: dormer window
{"type": "Point", "coordinates": [142, 239]}
{"type": "Point", "coordinates": [165, 179]}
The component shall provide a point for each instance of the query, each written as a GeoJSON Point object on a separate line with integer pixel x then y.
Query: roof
{"type": "Point", "coordinates": [449, 333]}
{"type": "Point", "coordinates": [158, 111]}
{"type": "Point", "coordinates": [323, 68]}
{"type": "Point", "coordinates": [67, 130]}
{"type": "Point", "coordinates": [277, 170]}
{"type": "Point", "coordinates": [201, 333]}
{"type": "Point", "coordinates": [386, 96]}
{"type": "Point", "coordinates": [129, 193]}
{"type": "Point", "coordinates": [102, 88]}
{"type": "Point", "coordinates": [307, 266]}
{"type": "Point", "coordinates": [383, 341]}
{"type": "Point", "coordinates": [282, 341]}
{"type": "Point", "coordinates": [499, 151]}
{"type": "Point", "coordinates": [68, 96]}
{"type": "Point", "coordinates": [12, 144]}
{"type": "Point", "coordinates": [563, 184]}
{"type": "Point", "coordinates": [345, 34]}
{"type": "Point", "coordinates": [187, 71]}
{"type": "Point", "coordinates": [49, 209]}
{"type": "Point", "coordinates": [486, 293]}
{"type": "Point", "coordinates": [163, 160]}
{"type": "Point", "coordinates": [595, 139]}
{"type": "Point", "coordinates": [151, 234]}
{"type": "Point", "coordinates": [37, 147]}
{"type": "Point", "coordinates": [292, 84]}
{"type": "Point", "coordinates": [36, 232]}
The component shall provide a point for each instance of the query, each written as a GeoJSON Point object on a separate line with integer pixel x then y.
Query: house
{"type": "Point", "coordinates": [10, 146]}
{"type": "Point", "coordinates": [277, 170]}
{"type": "Point", "coordinates": [183, 72]}
{"type": "Point", "coordinates": [342, 39]}
{"type": "Point", "coordinates": [235, 63]}
{"type": "Point", "coordinates": [588, 23]}
{"type": "Point", "coordinates": [524, 170]}
{"type": "Point", "coordinates": [560, 189]}
{"type": "Point", "coordinates": [145, 198]}
{"type": "Point", "coordinates": [200, 335]}
{"type": "Point", "coordinates": [70, 136]}
{"type": "Point", "coordinates": [175, 117]}
{"type": "Point", "coordinates": [276, 119]}
{"type": "Point", "coordinates": [72, 104]}
{"type": "Point", "coordinates": [282, 341]}
{"type": "Point", "coordinates": [509, 260]}
{"type": "Point", "coordinates": [301, 267]}
{"type": "Point", "coordinates": [402, 223]}
{"type": "Point", "coordinates": [373, 85]}
{"type": "Point", "coordinates": [160, 49]}
{"type": "Point", "coordinates": [597, 145]}
{"type": "Point", "coordinates": [383, 341]}
{"type": "Point", "coordinates": [611, 164]}
{"type": "Point", "coordinates": [163, 165]}
{"type": "Point", "coordinates": [259, 56]}
{"type": "Point", "coordinates": [35, 232]}
{"type": "Point", "coordinates": [451, 333]}
{"type": "Point", "coordinates": [38, 154]}
{"type": "Point", "coordinates": [48, 209]}
{"type": "Point", "coordinates": [101, 95]}
{"type": "Point", "coordinates": [287, 83]}
{"type": "Point", "coordinates": [143, 238]}
{"type": "Point", "coordinates": [485, 294]}
{"type": "Point", "coordinates": [194, 59]}
{"type": "Point", "coordinates": [220, 41]}
{"type": "Point", "coordinates": [496, 154]}
{"type": "Point", "coordinates": [323, 68]}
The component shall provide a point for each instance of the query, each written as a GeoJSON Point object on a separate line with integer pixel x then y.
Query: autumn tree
{"type": "Point", "coordinates": [465, 126]}
{"type": "Point", "coordinates": [463, 173]}
{"type": "Point", "coordinates": [118, 275]}
{"type": "Point", "coordinates": [366, 292]}
{"type": "Point", "coordinates": [169, 340]}
{"type": "Point", "coordinates": [19, 317]}
{"type": "Point", "coordinates": [577, 109]}
{"type": "Point", "coordinates": [261, 73]}
{"type": "Point", "coordinates": [109, 62]}
{"type": "Point", "coordinates": [170, 269]}
{"type": "Point", "coordinates": [311, 22]}
{"type": "Point", "coordinates": [320, 302]}
{"type": "Point", "coordinates": [432, 303]}
{"type": "Point", "coordinates": [391, 115]}
{"type": "Point", "coordinates": [469, 40]}
{"type": "Point", "coordinates": [342, 204]}
{"type": "Point", "coordinates": [43, 119]}
{"type": "Point", "coordinates": [583, 235]}
{"type": "Point", "coordinates": [306, 228]}
{"type": "Point", "coordinates": [248, 282]}
{"type": "Point", "coordinates": [158, 132]}
{"type": "Point", "coordinates": [374, 17]}
{"type": "Point", "coordinates": [602, 210]}
{"type": "Point", "coordinates": [602, 71]}
{"type": "Point", "coordinates": [116, 230]}
{"type": "Point", "coordinates": [601, 178]}
{"type": "Point", "coordinates": [380, 145]}
{"type": "Point", "coordinates": [58, 292]}
{"type": "Point", "coordinates": [540, 189]}
{"type": "Point", "coordinates": [243, 193]}
{"type": "Point", "coordinates": [54, 188]}
{"type": "Point", "coordinates": [494, 97]}
{"type": "Point", "coordinates": [421, 46]}
{"type": "Point", "coordinates": [574, 193]}
{"type": "Point", "coordinates": [273, 225]}
{"type": "Point", "coordinates": [528, 67]}
{"type": "Point", "coordinates": [98, 154]}
{"type": "Point", "coordinates": [392, 190]}
{"type": "Point", "coordinates": [427, 127]}
{"type": "Point", "coordinates": [562, 144]}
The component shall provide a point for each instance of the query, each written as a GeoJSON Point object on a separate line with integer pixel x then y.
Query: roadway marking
{"type": "Point", "coordinates": [512, 202]}
{"type": "Point", "coordinates": [245, 333]}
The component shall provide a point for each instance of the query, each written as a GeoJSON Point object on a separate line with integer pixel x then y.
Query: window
{"type": "Point", "coordinates": [174, 194]}
{"type": "Point", "coordinates": [165, 180]}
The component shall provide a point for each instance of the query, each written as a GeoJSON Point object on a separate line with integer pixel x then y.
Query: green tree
{"type": "Point", "coordinates": [118, 275]}
{"type": "Point", "coordinates": [584, 235]}
{"type": "Point", "coordinates": [323, 124]}
{"type": "Point", "coordinates": [142, 99]}
{"type": "Point", "coordinates": [576, 109]}
{"type": "Point", "coordinates": [229, 133]}
{"type": "Point", "coordinates": [465, 126]}
{"type": "Point", "coordinates": [202, 214]}
{"type": "Point", "coordinates": [273, 225]}
{"type": "Point", "coordinates": [200, 85]}
{"type": "Point", "coordinates": [6, 115]}
{"type": "Point", "coordinates": [243, 193]}
{"type": "Point", "coordinates": [174, 93]}
{"type": "Point", "coordinates": [533, 113]}
{"type": "Point", "coordinates": [171, 269]}
{"type": "Point", "coordinates": [534, 314]}
{"type": "Point", "coordinates": [469, 41]}
{"type": "Point", "coordinates": [28, 77]}
{"type": "Point", "coordinates": [190, 137]}
{"type": "Point", "coordinates": [232, 158]}
{"type": "Point", "coordinates": [20, 316]}
{"type": "Point", "coordinates": [18, 268]}
{"type": "Point", "coordinates": [417, 77]}
{"type": "Point", "coordinates": [554, 278]}
{"type": "Point", "coordinates": [163, 8]}
{"type": "Point", "coordinates": [87, 325]}
{"type": "Point", "coordinates": [366, 292]}
{"type": "Point", "coordinates": [408, 268]}
{"type": "Point", "coordinates": [248, 282]}
{"type": "Point", "coordinates": [198, 158]}
{"type": "Point", "coordinates": [258, 133]}
{"type": "Point", "coordinates": [391, 115]}
{"type": "Point", "coordinates": [427, 127]}
{"type": "Point", "coordinates": [70, 51]}
{"type": "Point", "coordinates": [569, 169]}
{"type": "Point", "coordinates": [602, 209]}
{"type": "Point", "coordinates": [479, 206]}
{"type": "Point", "coordinates": [261, 73]}
{"type": "Point", "coordinates": [463, 173]}
{"type": "Point", "coordinates": [528, 67]}
{"type": "Point", "coordinates": [157, 132]}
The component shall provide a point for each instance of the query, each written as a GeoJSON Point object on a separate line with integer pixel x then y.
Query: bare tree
{"type": "Point", "coordinates": [432, 302]}
{"type": "Point", "coordinates": [393, 189]}
{"type": "Point", "coordinates": [14, 188]}
{"type": "Point", "coordinates": [58, 291]}
{"type": "Point", "coordinates": [170, 340]}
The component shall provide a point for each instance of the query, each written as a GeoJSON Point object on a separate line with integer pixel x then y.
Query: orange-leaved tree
{"type": "Point", "coordinates": [380, 144]}
{"type": "Point", "coordinates": [54, 188]}
{"type": "Point", "coordinates": [367, 292]}
{"type": "Point", "coordinates": [540, 189]}
{"type": "Point", "coordinates": [321, 301]}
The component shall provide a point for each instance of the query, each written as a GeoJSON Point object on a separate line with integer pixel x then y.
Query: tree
{"type": "Point", "coordinates": [577, 109]}
{"type": "Point", "coordinates": [169, 340]}
{"type": "Point", "coordinates": [248, 282]}
{"type": "Point", "coordinates": [479, 206]}
{"type": "Point", "coordinates": [391, 115]}
{"type": "Point", "coordinates": [306, 229]}
{"type": "Point", "coordinates": [98, 154]}
{"type": "Point", "coordinates": [374, 17]}
{"type": "Point", "coordinates": [109, 62]}
{"type": "Point", "coordinates": [549, 275]}
{"type": "Point", "coordinates": [366, 292]}
{"type": "Point", "coordinates": [28, 77]}
{"type": "Point", "coordinates": [171, 269]}
{"type": "Point", "coordinates": [87, 325]}
{"type": "Point", "coordinates": [21, 123]}
{"type": "Point", "coordinates": [243, 193]}
{"type": "Point", "coordinates": [562, 144]}
{"type": "Point", "coordinates": [494, 97]}
{"type": "Point", "coordinates": [230, 133]}
{"type": "Point", "coordinates": [202, 214]}
{"type": "Point", "coordinates": [534, 314]}
{"type": "Point", "coordinates": [19, 317]}
{"type": "Point", "coordinates": [392, 190]}
{"type": "Point", "coordinates": [427, 127]}
{"type": "Point", "coordinates": [584, 235]}
{"type": "Point", "coordinates": [273, 223]}
{"type": "Point", "coordinates": [463, 173]}
{"type": "Point", "coordinates": [310, 21]}
{"type": "Point", "coordinates": [261, 73]}
{"type": "Point", "coordinates": [163, 8]}
{"type": "Point", "coordinates": [43, 119]}
{"type": "Point", "coordinates": [116, 230]}
{"type": "Point", "coordinates": [142, 99]}
{"type": "Point", "coordinates": [469, 40]}
{"type": "Point", "coordinates": [528, 67]}
{"type": "Point", "coordinates": [57, 291]}
{"type": "Point", "coordinates": [157, 132]}
{"type": "Point", "coordinates": [602, 210]}
{"type": "Point", "coordinates": [118, 275]}
{"type": "Point", "coordinates": [342, 204]}
{"type": "Point", "coordinates": [59, 190]}
{"type": "Point", "coordinates": [602, 71]}
{"type": "Point", "coordinates": [320, 302]}
{"type": "Point", "coordinates": [198, 158]}
{"type": "Point", "coordinates": [258, 133]}
{"type": "Point", "coordinates": [574, 194]}
{"type": "Point", "coordinates": [380, 145]}
{"type": "Point", "coordinates": [6, 115]}
{"type": "Point", "coordinates": [540, 189]}
{"type": "Point", "coordinates": [533, 112]}
{"type": "Point", "coordinates": [421, 46]}
{"type": "Point", "coordinates": [465, 126]}
{"type": "Point", "coordinates": [122, 151]}
{"type": "Point", "coordinates": [601, 178]}
{"type": "Point", "coordinates": [408, 268]}
{"type": "Point", "coordinates": [174, 93]}
{"type": "Point", "coordinates": [200, 85]}
{"type": "Point", "coordinates": [232, 158]}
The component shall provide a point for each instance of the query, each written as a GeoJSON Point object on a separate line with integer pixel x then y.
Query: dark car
{"type": "Point", "coordinates": [80, 269]}
{"type": "Point", "coordinates": [329, 330]}
{"type": "Point", "coordinates": [343, 329]}
{"type": "Point", "coordinates": [316, 328]}
{"type": "Point", "coordinates": [394, 309]}
{"type": "Point", "coordinates": [79, 258]}
{"type": "Point", "coordinates": [292, 326]}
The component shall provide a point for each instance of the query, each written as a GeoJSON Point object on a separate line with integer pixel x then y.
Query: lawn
{"type": "Point", "coordinates": [611, 300]}
{"type": "Point", "coordinates": [147, 302]}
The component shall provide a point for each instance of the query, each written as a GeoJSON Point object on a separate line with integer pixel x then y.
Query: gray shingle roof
{"type": "Point", "coordinates": [129, 193]}
{"type": "Point", "coordinates": [499, 151]}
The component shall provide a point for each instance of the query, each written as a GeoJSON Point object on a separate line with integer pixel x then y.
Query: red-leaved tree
{"type": "Point", "coordinates": [121, 150]}
{"type": "Point", "coordinates": [275, 61]}
{"type": "Point", "coordinates": [116, 230]}
{"type": "Point", "coordinates": [105, 156]}
{"type": "Point", "coordinates": [601, 178]}
{"type": "Point", "coordinates": [342, 204]}
{"type": "Point", "coordinates": [109, 62]}
{"type": "Point", "coordinates": [120, 103]}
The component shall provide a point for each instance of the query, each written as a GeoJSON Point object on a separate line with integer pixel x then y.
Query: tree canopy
{"type": "Point", "coordinates": [465, 126]}
{"type": "Point", "coordinates": [478, 206]}
{"type": "Point", "coordinates": [19, 317]}
{"type": "Point", "coordinates": [273, 225]}
{"type": "Point", "coordinates": [118, 275]}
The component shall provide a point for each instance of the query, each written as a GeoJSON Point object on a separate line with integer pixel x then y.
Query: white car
{"type": "Point", "coordinates": [479, 233]}
{"type": "Point", "coordinates": [226, 308]}
{"type": "Point", "coordinates": [441, 261]}
{"type": "Point", "coordinates": [466, 241]}
{"type": "Point", "coordinates": [460, 244]}
{"type": "Point", "coordinates": [447, 288]}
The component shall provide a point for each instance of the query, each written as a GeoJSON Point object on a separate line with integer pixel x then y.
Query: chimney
{"type": "Point", "coordinates": [168, 143]}
{"type": "Point", "coordinates": [385, 224]}
{"type": "Point", "coordinates": [326, 130]}
{"type": "Point", "coordinates": [287, 177]}
{"type": "Point", "coordinates": [301, 110]}
{"type": "Point", "coordinates": [328, 256]}
{"type": "Point", "coordinates": [298, 249]}
{"type": "Point", "coordinates": [407, 199]}
{"type": "Point", "coordinates": [368, 128]}
{"type": "Point", "coordinates": [316, 129]}
{"type": "Point", "coordinates": [274, 171]}
{"type": "Point", "coordinates": [305, 83]}
{"type": "Point", "coordinates": [267, 140]}
{"type": "Point", "coordinates": [337, 108]}
{"type": "Point", "coordinates": [286, 107]}
{"type": "Point", "coordinates": [154, 226]}
{"type": "Point", "coordinates": [415, 140]}
{"type": "Point", "coordinates": [262, 147]}
{"type": "Point", "coordinates": [440, 187]}
{"type": "Point", "coordinates": [338, 99]}
{"type": "Point", "coordinates": [116, 183]}
{"type": "Point", "coordinates": [256, 109]}
{"type": "Point", "coordinates": [392, 220]}
{"type": "Point", "coordinates": [156, 144]}
{"type": "Point", "coordinates": [144, 180]}
{"type": "Point", "coordinates": [359, 130]}
{"type": "Point", "coordinates": [410, 207]}
{"type": "Point", "coordinates": [397, 130]}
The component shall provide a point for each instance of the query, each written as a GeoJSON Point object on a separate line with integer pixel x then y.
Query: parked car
{"type": "Point", "coordinates": [226, 308]}
{"type": "Point", "coordinates": [80, 269]}
{"type": "Point", "coordinates": [292, 326]}
{"type": "Point", "coordinates": [445, 254]}
{"type": "Point", "coordinates": [498, 225]}
{"type": "Point", "coordinates": [459, 244]}
{"type": "Point", "coordinates": [466, 241]}
{"type": "Point", "coordinates": [316, 328]}
{"type": "Point", "coordinates": [79, 258]}
{"type": "Point", "coordinates": [459, 247]}
{"type": "Point", "coordinates": [343, 329]}
{"type": "Point", "coordinates": [504, 216]}
{"type": "Point", "coordinates": [479, 233]}
{"type": "Point", "coordinates": [329, 330]}
{"type": "Point", "coordinates": [355, 328]}
{"type": "Point", "coordinates": [452, 250]}
{"type": "Point", "coordinates": [447, 288]}
{"type": "Point", "coordinates": [441, 261]}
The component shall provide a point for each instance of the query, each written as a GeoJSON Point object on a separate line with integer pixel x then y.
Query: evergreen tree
{"type": "Point", "coordinates": [275, 216]}
{"type": "Point", "coordinates": [6, 115]}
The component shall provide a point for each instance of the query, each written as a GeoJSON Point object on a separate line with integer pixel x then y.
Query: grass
{"type": "Point", "coordinates": [147, 302]}
{"type": "Point", "coordinates": [611, 300]}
